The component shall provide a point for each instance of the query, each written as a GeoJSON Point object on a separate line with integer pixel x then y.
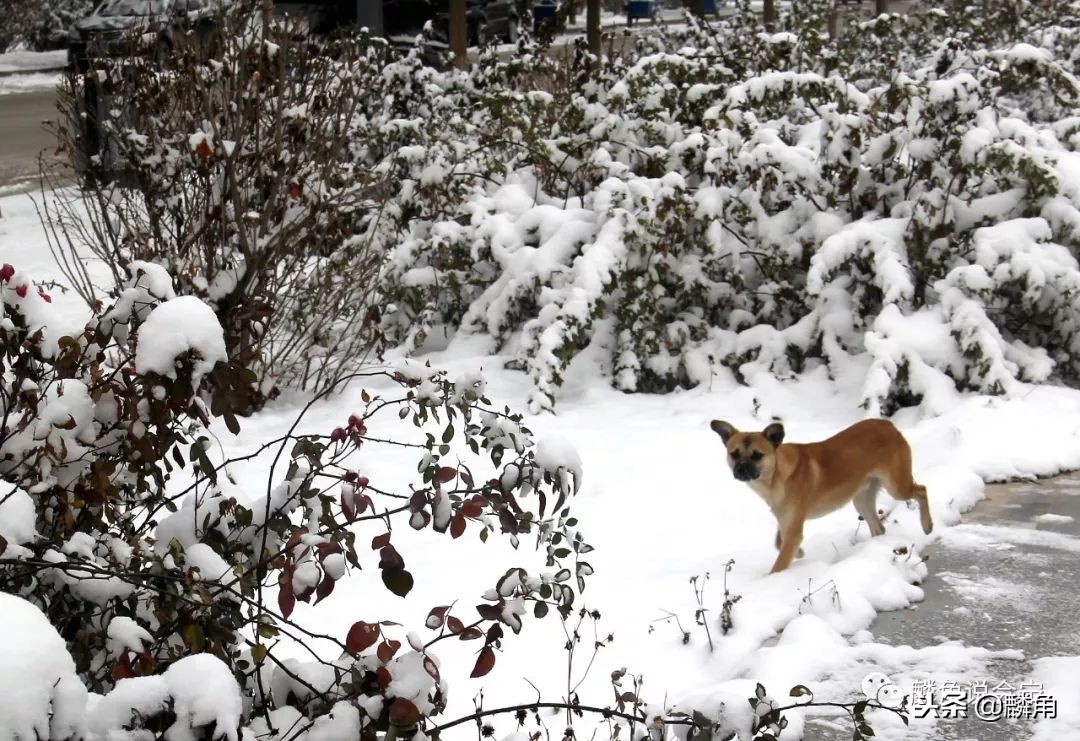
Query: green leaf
{"type": "Point", "coordinates": [267, 631]}
{"type": "Point", "coordinates": [541, 609]}
{"type": "Point", "coordinates": [194, 637]}
{"type": "Point", "coordinates": [398, 581]}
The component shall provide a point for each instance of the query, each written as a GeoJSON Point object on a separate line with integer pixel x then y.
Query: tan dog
{"type": "Point", "coordinates": [810, 480]}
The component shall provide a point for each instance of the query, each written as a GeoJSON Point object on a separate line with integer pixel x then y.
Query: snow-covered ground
{"type": "Point", "coordinates": [660, 507]}
{"type": "Point", "coordinates": [21, 71]}
{"type": "Point", "coordinates": [31, 61]}
{"type": "Point", "coordinates": [21, 83]}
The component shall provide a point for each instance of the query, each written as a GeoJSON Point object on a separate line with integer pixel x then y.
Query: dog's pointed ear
{"type": "Point", "coordinates": [774, 433]}
{"type": "Point", "coordinates": [723, 429]}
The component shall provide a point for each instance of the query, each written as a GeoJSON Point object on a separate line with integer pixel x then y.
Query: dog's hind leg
{"type": "Point", "coordinates": [866, 505]}
{"type": "Point", "coordinates": [902, 486]}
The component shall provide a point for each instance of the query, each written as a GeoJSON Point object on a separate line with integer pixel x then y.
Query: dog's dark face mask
{"type": "Point", "coordinates": [751, 455]}
{"type": "Point", "coordinates": [744, 470]}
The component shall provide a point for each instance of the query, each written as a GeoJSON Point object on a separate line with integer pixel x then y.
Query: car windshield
{"type": "Point", "coordinates": [112, 8]}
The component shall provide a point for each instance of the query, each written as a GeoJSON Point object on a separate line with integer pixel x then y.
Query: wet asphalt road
{"type": "Point", "coordinates": [23, 136]}
{"type": "Point", "coordinates": [1006, 577]}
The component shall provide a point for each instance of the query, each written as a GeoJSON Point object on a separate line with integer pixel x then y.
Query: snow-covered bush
{"type": "Point", "coordinates": [171, 586]}
{"type": "Point", "coordinates": [39, 24]}
{"type": "Point", "coordinates": [232, 172]}
{"type": "Point", "coordinates": [898, 202]}
{"type": "Point", "coordinates": [716, 197]}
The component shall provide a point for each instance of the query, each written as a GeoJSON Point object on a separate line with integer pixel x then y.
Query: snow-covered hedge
{"type": "Point", "coordinates": [899, 203]}
{"type": "Point", "coordinates": [39, 24]}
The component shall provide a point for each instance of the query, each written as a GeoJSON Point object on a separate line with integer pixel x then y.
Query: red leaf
{"type": "Point", "coordinates": [326, 586]}
{"type": "Point", "coordinates": [455, 625]}
{"type": "Point", "coordinates": [457, 525]}
{"type": "Point", "coordinates": [21, 290]}
{"type": "Point", "coordinates": [403, 713]}
{"type": "Point", "coordinates": [325, 549]}
{"type": "Point", "coordinates": [147, 663]}
{"type": "Point", "coordinates": [445, 474]}
{"type": "Point", "coordinates": [123, 668]}
{"type": "Point", "coordinates": [361, 636]}
{"type": "Point", "coordinates": [387, 649]}
{"type": "Point", "coordinates": [382, 674]}
{"type": "Point", "coordinates": [485, 662]}
{"type": "Point", "coordinates": [431, 668]}
{"type": "Point", "coordinates": [348, 507]}
{"type": "Point", "coordinates": [380, 541]}
{"type": "Point", "coordinates": [471, 634]}
{"type": "Point", "coordinates": [489, 612]}
{"type": "Point", "coordinates": [390, 559]}
{"type": "Point", "coordinates": [286, 600]}
{"type": "Point", "coordinates": [471, 509]}
{"type": "Point", "coordinates": [508, 522]}
{"type": "Point", "coordinates": [294, 539]}
{"type": "Point", "coordinates": [203, 150]}
{"type": "Point", "coordinates": [435, 617]}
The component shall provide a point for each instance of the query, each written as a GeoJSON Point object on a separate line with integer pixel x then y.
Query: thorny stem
{"type": "Point", "coordinates": [640, 718]}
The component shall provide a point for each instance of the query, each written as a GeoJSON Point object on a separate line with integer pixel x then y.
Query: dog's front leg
{"type": "Point", "coordinates": [790, 536]}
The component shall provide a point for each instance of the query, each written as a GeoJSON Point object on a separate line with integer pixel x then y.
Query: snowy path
{"type": "Point", "coordinates": [1004, 579]}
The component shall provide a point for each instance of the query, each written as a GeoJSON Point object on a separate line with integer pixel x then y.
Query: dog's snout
{"type": "Point", "coordinates": [745, 472]}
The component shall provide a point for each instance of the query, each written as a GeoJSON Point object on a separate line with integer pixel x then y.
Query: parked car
{"type": "Point", "coordinates": [167, 25]}
{"type": "Point", "coordinates": [488, 20]}
{"type": "Point", "coordinates": [164, 25]}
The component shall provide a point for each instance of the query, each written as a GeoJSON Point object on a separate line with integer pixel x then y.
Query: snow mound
{"type": "Point", "coordinates": [40, 696]}
{"type": "Point", "coordinates": [558, 456]}
{"type": "Point", "coordinates": [202, 691]}
{"type": "Point", "coordinates": [17, 517]}
{"type": "Point", "coordinates": [176, 327]}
